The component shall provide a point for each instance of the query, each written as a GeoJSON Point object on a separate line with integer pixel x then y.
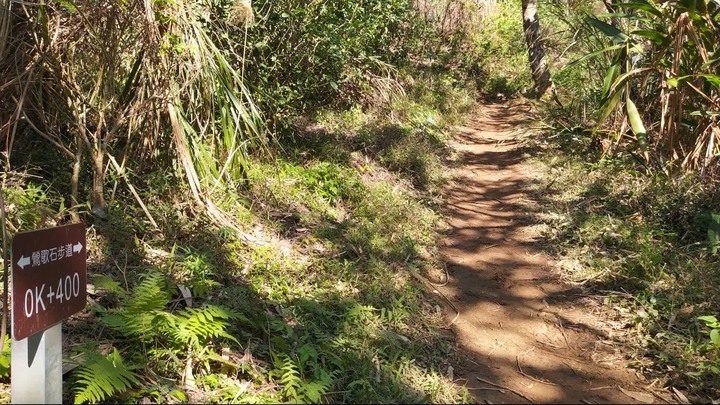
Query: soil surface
{"type": "Point", "coordinates": [526, 336]}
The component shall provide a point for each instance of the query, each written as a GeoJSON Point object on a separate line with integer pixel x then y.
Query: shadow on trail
{"type": "Point", "coordinates": [521, 328]}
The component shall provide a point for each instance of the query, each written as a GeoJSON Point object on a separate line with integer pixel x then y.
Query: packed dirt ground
{"type": "Point", "coordinates": [526, 335]}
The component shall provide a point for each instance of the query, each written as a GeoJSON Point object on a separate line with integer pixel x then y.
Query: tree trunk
{"type": "Point", "coordinates": [536, 52]}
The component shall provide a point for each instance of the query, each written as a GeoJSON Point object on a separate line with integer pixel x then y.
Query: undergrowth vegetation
{"type": "Point", "coordinates": [325, 308]}
{"type": "Point", "coordinates": [648, 245]}
{"type": "Point", "coordinates": [263, 183]}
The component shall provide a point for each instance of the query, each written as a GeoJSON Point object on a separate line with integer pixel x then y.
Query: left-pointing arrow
{"type": "Point", "coordinates": [24, 261]}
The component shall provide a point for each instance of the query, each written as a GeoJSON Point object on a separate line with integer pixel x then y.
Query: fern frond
{"type": "Point", "coordinates": [151, 294]}
{"type": "Point", "coordinates": [104, 282]}
{"type": "Point", "coordinates": [314, 390]}
{"type": "Point", "coordinates": [144, 325]}
{"type": "Point", "coordinates": [99, 377]}
{"type": "Point", "coordinates": [197, 325]}
{"type": "Point", "coordinates": [141, 315]}
{"type": "Point", "coordinates": [289, 374]}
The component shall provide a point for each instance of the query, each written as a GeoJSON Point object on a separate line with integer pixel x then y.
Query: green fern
{"type": "Point", "coordinates": [100, 377]}
{"type": "Point", "coordinates": [289, 375]}
{"type": "Point", "coordinates": [104, 282]}
{"type": "Point", "coordinates": [151, 294]}
{"type": "Point", "coordinates": [314, 390]}
{"type": "Point", "coordinates": [195, 326]}
{"type": "Point", "coordinates": [141, 315]}
{"type": "Point", "coordinates": [294, 387]}
{"type": "Point", "coordinates": [167, 336]}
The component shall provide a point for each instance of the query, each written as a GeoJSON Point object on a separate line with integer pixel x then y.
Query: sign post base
{"type": "Point", "coordinates": [36, 368]}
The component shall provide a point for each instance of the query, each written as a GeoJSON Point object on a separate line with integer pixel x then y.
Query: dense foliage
{"type": "Point", "coordinates": [178, 132]}
{"type": "Point", "coordinates": [301, 55]}
{"type": "Point", "coordinates": [238, 164]}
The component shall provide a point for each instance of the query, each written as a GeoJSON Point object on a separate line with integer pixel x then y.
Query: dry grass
{"type": "Point", "coordinates": [241, 13]}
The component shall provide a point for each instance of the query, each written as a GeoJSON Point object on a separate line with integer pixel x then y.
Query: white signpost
{"type": "Point", "coordinates": [49, 283]}
{"type": "Point", "coordinates": [36, 368]}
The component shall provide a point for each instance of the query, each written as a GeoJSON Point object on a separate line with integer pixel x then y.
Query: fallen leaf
{"type": "Point", "coordinates": [187, 295]}
{"type": "Point", "coordinates": [683, 399]}
{"type": "Point", "coordinates": [639, 396]}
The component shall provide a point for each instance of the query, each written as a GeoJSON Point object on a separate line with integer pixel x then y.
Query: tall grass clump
{"type": "Point", "coordinates": [118, 87]}
{"type": "Point", "coordinates": [643, 75]}
{"type": "Point", "coordinates": [648, 246]}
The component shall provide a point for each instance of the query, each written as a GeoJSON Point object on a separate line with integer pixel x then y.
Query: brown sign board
{"type": "Point", "coordinates": [49, 277]}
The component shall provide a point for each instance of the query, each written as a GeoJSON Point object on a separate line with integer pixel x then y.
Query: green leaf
{"type": "Point", "coordinates": [69, 5]}
{"type": "Point", "coordinates": [634, 117]}
{"type": "Point", "coordinates": [637, 127]}
{"type": "Point", "coordinates": [708, 319]}
{"type": "Point", "coordinates": [705, 113]}
{"type": "Point", "coordinates": [613, 33]}
{"type": "Point", "coordinates": [623, 78]}
{"type": "Point", "coordinates": [715, 337]}
{"type": "Point", "coordinates": [609, 79]}
{"type": "Point", "coordinates": [592, 54]}
{"type": "Point", "coordinates": [658, 37]}
{"type": "Point", "coordinates": [643, 6]}
{"type": "Point", "coordinates": [610, 106]}
{"type": "Point", "coordinates": [712, 79]}
{"type": "Point", "coordinates": [618, 15]}
{"type": "Point", "coordinates": [179, 395]}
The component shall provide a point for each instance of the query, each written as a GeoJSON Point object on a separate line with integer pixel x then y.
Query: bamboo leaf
{"type": "Point", "coordinates": [613, 33]}
{"type": "Point", "coordinates": [642, 6]}
{"type": "Point", "coordinates": [610, 106]}
{"type": "Point", "coordinates": [623, 78]}
{"type": "Point", "coordinates": [617, 15]}
{"type": "Point", "coordinates": [658, 37]}
{"type": "Point", "coordinates": [634, 117]}
{"type": "Point", "coordinates": [596, 53]}
{"type": "Point", "coordinates": [637, 127]}
{"type": "Point", "coordinates": [712, 79]}
{"type": "Point", "coordinates": [705, 113]}
{"type": "Point", "coordinates": [609, 79]}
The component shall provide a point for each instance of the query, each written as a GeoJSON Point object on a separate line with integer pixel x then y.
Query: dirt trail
{"type": "Point", "coordinates": [520, 327]}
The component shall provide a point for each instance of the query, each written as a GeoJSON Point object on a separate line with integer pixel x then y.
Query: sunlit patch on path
{"type": "Point", "coordinates": [525, 335]}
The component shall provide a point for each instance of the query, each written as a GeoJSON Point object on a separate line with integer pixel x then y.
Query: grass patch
{"type": "Point", "coordinates": [323, 308]}
{"type": "Point", "coordinates": [646, 243]}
